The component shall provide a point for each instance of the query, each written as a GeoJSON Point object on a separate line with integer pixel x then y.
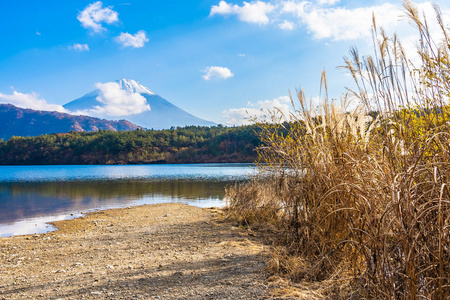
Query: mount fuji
{"type": "Point", "coordinates": [130, 100]}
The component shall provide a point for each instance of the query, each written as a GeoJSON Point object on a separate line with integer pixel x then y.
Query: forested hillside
{"type": "Point", "coordinates": [192, 144]}
{"type": "Point", "coordinates": [29, 122]}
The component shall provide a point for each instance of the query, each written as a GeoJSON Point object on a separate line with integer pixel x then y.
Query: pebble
{"type": "Point", "coordinates": [177, 262]}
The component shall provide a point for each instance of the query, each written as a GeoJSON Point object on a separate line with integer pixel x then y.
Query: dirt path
{"type": "Point", "coordinates": [167, 251]}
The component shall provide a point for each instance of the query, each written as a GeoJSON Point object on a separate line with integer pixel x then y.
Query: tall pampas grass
{"type": "Point", "coordinates": [361, 193]}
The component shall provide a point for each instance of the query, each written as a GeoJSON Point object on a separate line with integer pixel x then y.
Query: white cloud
{"type": "Point", "coordinates": [38, 33]}
{"type": "Point", "coordinates": [286, 25]}
{"type": "Point", "coordinates": [325, 19]}
{"type": "Point", "coordinates": [116, 102]}
{"type": "Point", "coordinates": [217, 72]}
{"type": "Point", "coordinates": [79, 47]}
{"type": "Point", "coordinates": [341, 23]}
{"type": "Point", "coordinates": [30, 101]}
{"type": "Point", "coordinates": [136, 41]}
{"type": "Point", "coordinates": [327, 2]}
{"type": "Point", "coordinates": [254, 12]}
{"type": "Point", "coordinates": [222, 9]}
{"type": "Point", "coordinates": [294, 7]}
{"type": "Point", "coordinates": [258, 110]}
{"type": "Point", "coordinates": [94, 15]}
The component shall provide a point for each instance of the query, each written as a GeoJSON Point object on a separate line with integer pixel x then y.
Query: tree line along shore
{"type": "Point", "coordinates": [191, 144]}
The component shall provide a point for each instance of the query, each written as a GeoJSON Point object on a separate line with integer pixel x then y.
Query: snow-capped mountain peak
{"type": "Point", "coordinates": [129, 99]}
{"type": "Point", "coordinates": [132, 86]}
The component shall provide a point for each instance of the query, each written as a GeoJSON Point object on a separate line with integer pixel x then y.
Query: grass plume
{"type": "Point", "coordinates": [360, 196]}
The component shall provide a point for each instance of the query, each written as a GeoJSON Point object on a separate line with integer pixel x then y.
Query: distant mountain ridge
{"type": "Point", "coordinates": [162, 113]}
{"type": "Point", "coordinates": [17, 121]}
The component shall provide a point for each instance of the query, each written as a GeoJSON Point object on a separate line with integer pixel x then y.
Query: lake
{"type": "Point", "coordinates": [31, 196]}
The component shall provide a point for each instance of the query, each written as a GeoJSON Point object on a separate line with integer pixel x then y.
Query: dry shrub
{"type": "Point", "coordinates": [362, 194]}
{"type": "Point", "coordinates": [281, 288]}
{"type": "Point", "coordinates": [283, 262]}
{"type": "Point", "coordinates": [253, 203]}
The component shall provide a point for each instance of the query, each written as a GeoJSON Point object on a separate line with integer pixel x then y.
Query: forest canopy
{"type": "Point", "coordinates": [191, 144]}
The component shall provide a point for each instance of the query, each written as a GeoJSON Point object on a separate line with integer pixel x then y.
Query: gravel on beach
{"type": "Point", "coordinates": [163, 251]}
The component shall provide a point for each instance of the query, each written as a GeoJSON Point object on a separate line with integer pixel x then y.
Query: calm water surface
{"type": "Point", "coordinates": [31, 196]}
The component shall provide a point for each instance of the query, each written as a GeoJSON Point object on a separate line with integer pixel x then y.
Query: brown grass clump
{"type": "Point", "coordinates": [247, 211]}
{"type": "Point", "coordinates": [284, 262]}
{"type": "Point", "coordinates": [360, 195]}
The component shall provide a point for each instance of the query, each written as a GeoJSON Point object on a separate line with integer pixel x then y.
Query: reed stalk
{"type": "Point", "coordinates": [361, 193]}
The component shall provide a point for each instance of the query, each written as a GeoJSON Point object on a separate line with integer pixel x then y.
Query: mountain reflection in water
{"type": "Point", "coordinates": [20, 201]}
{"type": "Point", "coordinates": [32, 196]}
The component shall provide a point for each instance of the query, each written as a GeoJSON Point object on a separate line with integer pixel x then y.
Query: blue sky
{"type": "Point", "coordinates": [215, 59]}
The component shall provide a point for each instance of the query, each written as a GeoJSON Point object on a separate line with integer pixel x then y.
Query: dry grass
{"type": "Point", "coordinates": [358, 200]}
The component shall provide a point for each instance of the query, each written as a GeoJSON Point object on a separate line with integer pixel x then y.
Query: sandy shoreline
{"type": "Point", "coordinates": [162, 251]}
